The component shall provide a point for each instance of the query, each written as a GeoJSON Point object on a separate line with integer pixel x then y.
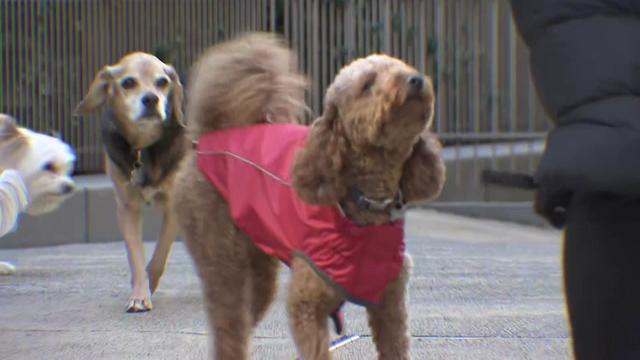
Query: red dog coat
{"type": "Point", "coordinates": [251, 168]}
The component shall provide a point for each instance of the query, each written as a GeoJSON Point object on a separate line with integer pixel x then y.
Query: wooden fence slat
{"type": "Point", "coordinates": [493, 68]}
{"type": "Point", "coordinates": [305, 44]}
{"type": "Point", "coordinates": [512, 91]}
{"type": "Point", "coordinates": [339, 55]}
{"type": "Point", "coordinates": [441, 48]}
{"type": "Point", "coordinates": [374, 27]}
{"type": "Point", "coordinates": [315, 55]}
{"type": "Point", "coordinates": [331, 44]}
{"type": "Point", "coordinates": [294, 29]}
{"type": "Point", "coordinates": [366, 27]}
{"type": "Point", "coordinates": [194, 30]}
{"type": "Point", "coordinates": [65, 71]}
{"type": "Point", "coordinates": [402, 30]}
{"type": "Point", "coordinates": [14, 73]}
{"type": "Point", "coordinates": [226, 19]}
{"type": "Point", "coordinates": [470, 48]}
{"type": "Point", "coordinates": [309, 47]}
{"type": "Point", "coordinates": [358, 28]}
{"type": "Point", "coordinates": [34, 59]}
{"type": "Point", "coordinates": [153, 25]}
{"type": "Point", "coordinates": [422, 20]}
{"type": "Point", "coordinates": [322, 51]}
{"type": "Point", "coordinates": [4, 37]}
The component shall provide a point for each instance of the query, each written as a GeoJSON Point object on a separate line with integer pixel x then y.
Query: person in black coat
{"type": "Point", "coordinates": [585, 62]}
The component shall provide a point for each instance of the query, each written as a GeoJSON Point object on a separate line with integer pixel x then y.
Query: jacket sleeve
{"type": "Point", "coordinates": [585, 63]}
{"type": "Point", "coordinates": [14, 198]}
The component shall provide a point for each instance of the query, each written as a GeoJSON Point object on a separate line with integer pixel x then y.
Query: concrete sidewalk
{"type": "Point", "coordinates": [480, 290]}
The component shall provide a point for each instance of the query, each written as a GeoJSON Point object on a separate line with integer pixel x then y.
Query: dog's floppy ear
{"type": "Point", "coordinates": [8, 127]}
{"type": "Point", "coordinates": [317, 173]}
{"type": "Point", "coordinates": [423, 174]}
{"type": "Point", "coordinates": [176, 96]}
{"type": "Point", "coordinates": [98, 92]}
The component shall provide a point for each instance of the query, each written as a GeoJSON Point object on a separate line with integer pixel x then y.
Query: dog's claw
{"type": "Point", "coordinates": [135, 306]}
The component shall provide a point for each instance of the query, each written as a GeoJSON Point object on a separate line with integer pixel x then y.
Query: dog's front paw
{"type": "Point", "coordinates": [139, 301]}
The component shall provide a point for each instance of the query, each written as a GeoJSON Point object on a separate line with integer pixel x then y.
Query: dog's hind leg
{"type": "Point", "coordinates": [388, 320]}
{"type": "Point", "coordinates": [224, 269]}
{"type": "Point", "coordinates": [168, 234]}
{"type": "Point", "coordinates": [264, 281]}
{"type": "Point", "coordinates": [309, 304]}
{"type": "Point", "coordinates": [221, 257]}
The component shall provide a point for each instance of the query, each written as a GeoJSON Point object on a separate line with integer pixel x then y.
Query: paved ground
{"type": "Point", "coordinates": [480, 290]}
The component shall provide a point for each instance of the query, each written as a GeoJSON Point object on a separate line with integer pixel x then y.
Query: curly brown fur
{"type": "Point", "coordinates": [388, 320]}
{"type": "Point", "coordinates": [247, 81]}
{"type": "Point", "coordinates": [424, 172]}
{"type": "Point", "coordinates": [373, 135]}
{"type": "Point", "coordinates": [377, 142]}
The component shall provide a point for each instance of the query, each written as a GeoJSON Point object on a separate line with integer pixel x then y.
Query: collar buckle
{"type": "Point", "coordinates": [394, 207]}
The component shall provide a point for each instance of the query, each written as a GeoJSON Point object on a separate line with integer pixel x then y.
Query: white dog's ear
{"type": "Point", "coordinates": [8, 127]}
{"type": "Point", "coordinates": [98, 92]}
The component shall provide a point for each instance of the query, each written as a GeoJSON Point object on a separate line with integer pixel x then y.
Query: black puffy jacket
{"type": "Point", "coordinates": [585, 61]}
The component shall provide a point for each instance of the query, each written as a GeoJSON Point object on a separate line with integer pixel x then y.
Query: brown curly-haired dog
{"type": "Point", "coordinates": [371, 145]}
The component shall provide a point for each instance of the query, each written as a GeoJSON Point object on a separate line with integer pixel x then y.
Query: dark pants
{"type": "Point", "coordinates": [602, 276]}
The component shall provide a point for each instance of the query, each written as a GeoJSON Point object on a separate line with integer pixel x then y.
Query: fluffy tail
{"type": "Point", "coordinates": [249, 80]}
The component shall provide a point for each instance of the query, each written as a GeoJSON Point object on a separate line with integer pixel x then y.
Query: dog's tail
{"type": "Point", "coordinates": [508, 179]}
{"type": "Point", "coordinates": [245, 81]}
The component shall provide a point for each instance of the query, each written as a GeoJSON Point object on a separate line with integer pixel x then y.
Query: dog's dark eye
{"type": "Point", "coordinates": [128, 83]}
{"type": "Point", "coordinates": [368, 84]}
{"type": "Point", "coordinates": [49, 167]}
{"type": "Point", "coordinates": [162, 83]}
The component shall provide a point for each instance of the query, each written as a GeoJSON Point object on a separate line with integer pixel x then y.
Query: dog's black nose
{"type": "Point", "coordinates": [67, 189]}
{"type": "Point", "coordinates": [416, 82]}
{"type": "Point", "coordinates": [149, 100]}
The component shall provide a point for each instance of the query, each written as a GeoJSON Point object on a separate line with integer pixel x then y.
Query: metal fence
{"type": "Point", "coordinates": [51, 49]}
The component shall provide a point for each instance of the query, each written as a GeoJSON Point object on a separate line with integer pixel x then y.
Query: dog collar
{"type": "Point", "coordinates": [137, 177]}
{"type": "Point", "coordinates": [394, 207]}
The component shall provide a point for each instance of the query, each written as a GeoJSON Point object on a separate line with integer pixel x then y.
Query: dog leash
{"type": "Point", "coordinates": [347, 339]}
{"type": "Point", "coordinates": [340, 342]}
{"type": "Point", "coordinates": [137, 176]}
{"type": "Point", "coordinates": [338, 321]}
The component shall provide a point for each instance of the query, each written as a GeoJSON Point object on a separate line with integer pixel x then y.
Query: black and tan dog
{"type": "Point", "coordinates": [143, 137]}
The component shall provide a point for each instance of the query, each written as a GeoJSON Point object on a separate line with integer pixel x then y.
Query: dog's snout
{"type": "Point", "coordinates": [149, 100]}
{"type": "Point", "coordinates": [67, 189]}
{"type": "Point", "coordinates": [416, 82]}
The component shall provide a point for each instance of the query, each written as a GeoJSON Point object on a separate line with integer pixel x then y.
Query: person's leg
{"type": "Point", "coordinates": [602, 276]}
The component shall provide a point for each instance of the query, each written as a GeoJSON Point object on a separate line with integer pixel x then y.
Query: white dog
{"type": "Point", "coordinates": [35, 178]}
